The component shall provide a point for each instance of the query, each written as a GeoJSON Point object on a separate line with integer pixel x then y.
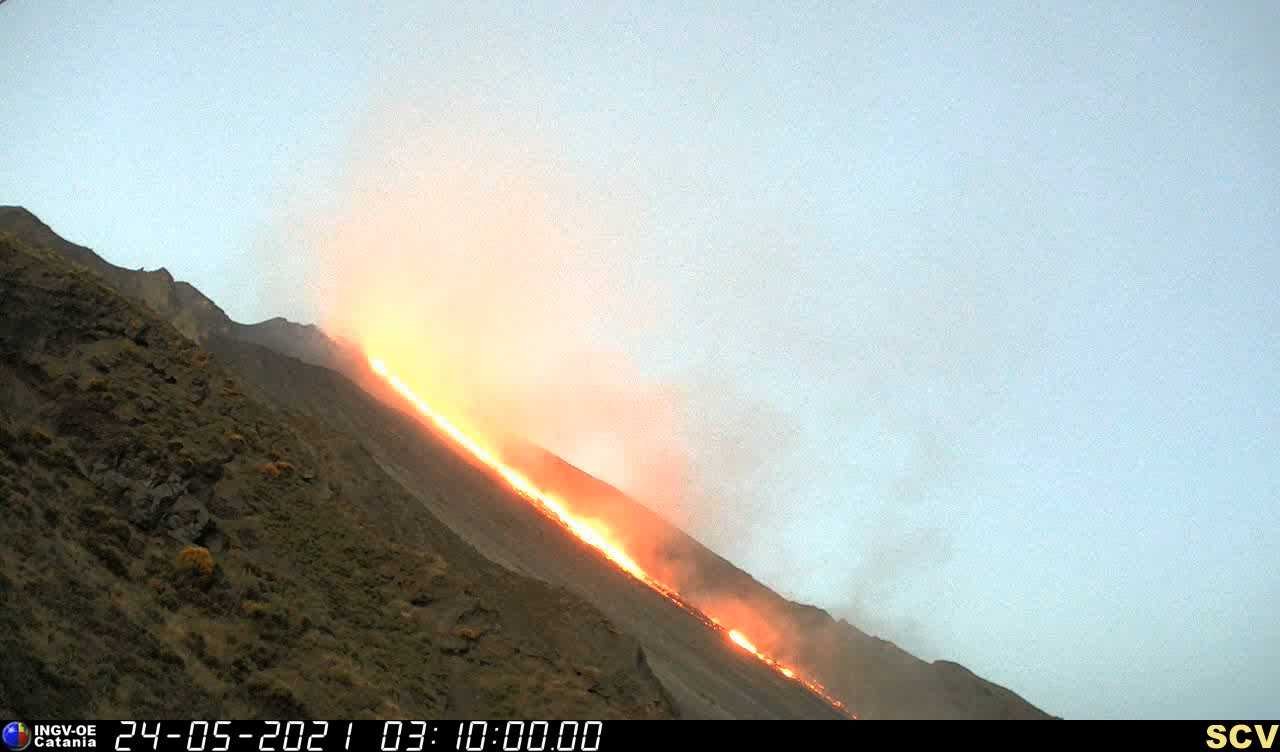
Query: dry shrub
{"type": "Point", "coordinates": [236, 440]}
{"type": "Point", "coordinates": [470, 634]}
{"type": "Point", "coordinates": [195, 560]}
{"type": "Point", "coordinates": [276, 468]}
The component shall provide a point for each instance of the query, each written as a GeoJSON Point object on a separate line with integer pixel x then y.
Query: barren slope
{"type": "Point", "coordinates": [321, 589]}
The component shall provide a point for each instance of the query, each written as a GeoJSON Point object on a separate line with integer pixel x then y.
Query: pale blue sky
{"type": "Point", "coordinates": [1009, 275]}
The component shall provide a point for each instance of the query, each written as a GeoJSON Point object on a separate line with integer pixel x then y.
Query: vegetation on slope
{"type": "Point", "coordinates": [175, 548]}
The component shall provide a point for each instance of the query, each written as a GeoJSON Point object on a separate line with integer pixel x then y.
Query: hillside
{"type": "Point", "coordinates": [175, 548]}
{"type": "Point", "coordinates": [334, 389]}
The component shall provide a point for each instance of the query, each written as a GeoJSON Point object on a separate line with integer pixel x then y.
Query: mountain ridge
{"type": "Point", "coordinates": [874, 676]}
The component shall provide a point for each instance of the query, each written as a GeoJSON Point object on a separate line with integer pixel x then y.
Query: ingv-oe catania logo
{"type": "Point", "coordinates": [17, 736]}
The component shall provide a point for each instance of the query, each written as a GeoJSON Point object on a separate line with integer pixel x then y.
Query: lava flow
{"type": "Point", "coordinates": [585, 531]}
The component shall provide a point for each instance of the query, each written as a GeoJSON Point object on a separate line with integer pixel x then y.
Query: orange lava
{"type": "Point", "coordinates": [742, 641]}
{"type": "Point", "coordinates": [586, 531]}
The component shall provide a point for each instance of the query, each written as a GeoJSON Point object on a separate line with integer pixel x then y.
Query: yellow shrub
{"type": "Point", "coordinates": [468, 633]}
{"type": "Point", "coordinates": [196, 560]}
{"type": "Point", "coordinates": [275, 469]}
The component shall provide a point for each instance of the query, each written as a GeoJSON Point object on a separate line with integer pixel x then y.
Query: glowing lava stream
{"type": "Point", "coordinates": [554, 508]}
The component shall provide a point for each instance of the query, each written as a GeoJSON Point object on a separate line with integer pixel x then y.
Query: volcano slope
{"type": "Point", "coordinates": [176, 548]}
{"type": "Point", "coordinates": [305, 375]}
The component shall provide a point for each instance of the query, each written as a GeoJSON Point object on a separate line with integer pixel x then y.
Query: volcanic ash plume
{"type": "Point", "coordinates": [488, 279]}
{"type": "Point", "coordinates": [477, 285]}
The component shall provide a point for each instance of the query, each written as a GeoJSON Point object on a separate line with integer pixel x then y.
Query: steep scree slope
{"type": "Point", "coordinates": [175, 548]}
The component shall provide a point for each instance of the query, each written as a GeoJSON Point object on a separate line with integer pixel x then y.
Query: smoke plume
{"type": "Point", "coordinates": [492, 280]}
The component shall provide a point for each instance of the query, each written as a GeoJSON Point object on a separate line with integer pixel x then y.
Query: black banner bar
{"type": "Point", "coordinates": [615, 736]}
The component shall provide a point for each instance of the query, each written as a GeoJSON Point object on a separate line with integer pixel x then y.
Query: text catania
{"type": "Point", "coordinates": [64, 736]}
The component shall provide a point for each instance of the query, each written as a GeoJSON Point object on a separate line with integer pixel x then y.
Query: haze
{"type": "Point", "coordinates": [959, 324]}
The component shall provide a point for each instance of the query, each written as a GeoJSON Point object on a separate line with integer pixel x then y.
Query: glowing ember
{"type": "Point", "coordinates": [585, 531]}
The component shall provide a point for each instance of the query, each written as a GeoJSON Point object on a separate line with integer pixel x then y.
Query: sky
{"type": "Point", "coordinates": [993, 291]}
